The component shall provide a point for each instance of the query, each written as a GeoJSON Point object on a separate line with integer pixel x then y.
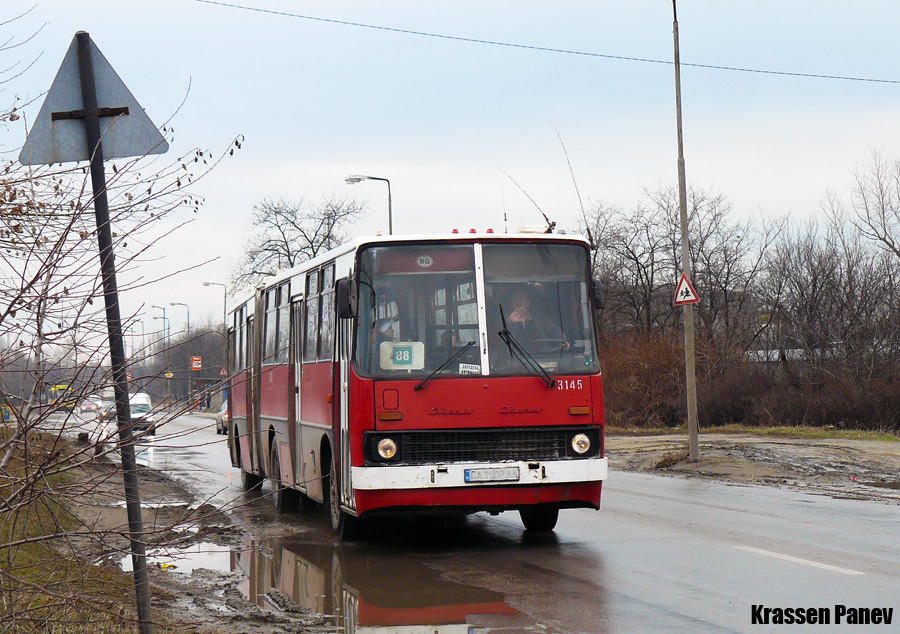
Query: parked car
{"type": "Point", "coordinates": [222, 419]}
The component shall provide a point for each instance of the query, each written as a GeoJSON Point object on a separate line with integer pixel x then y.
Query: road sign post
{"type": "Point", "coordinates": [68, 128]}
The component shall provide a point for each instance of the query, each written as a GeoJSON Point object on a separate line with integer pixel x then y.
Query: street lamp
{"type": "Point", "coordinates": [190, 366]}
{"type": "Point", "coordinates": [224, 325]}
{"type": "Point", "coordinates": [188, 315]}
{"type": "Point", "coordinates": [165, 343]}
{"type": "Point", "coordinates": [224, 302]}
{"type": "Point", "coordinates": [165, 324]}
{"type": "Point", "coordinates": [358, 178]}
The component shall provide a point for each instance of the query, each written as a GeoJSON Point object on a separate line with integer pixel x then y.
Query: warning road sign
{"type": "Point", "coordinates": [223, 372]}
{"type": "Point", "coordinates": [685, 293]}
{"type": "Point", "coordinates": [57, 135]}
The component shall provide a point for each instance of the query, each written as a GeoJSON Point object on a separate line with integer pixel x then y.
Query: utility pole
{"type": "Point", "coordinates": [689, 356]}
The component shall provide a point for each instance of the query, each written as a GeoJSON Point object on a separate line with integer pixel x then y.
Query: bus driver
{"type": "Point", "coordinates": [531, 326]}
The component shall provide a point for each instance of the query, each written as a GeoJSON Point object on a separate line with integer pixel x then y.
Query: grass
{"type": "Point", "coordinates": [46, 585]}
{"type": "Point", "coordinates": [783, 432]}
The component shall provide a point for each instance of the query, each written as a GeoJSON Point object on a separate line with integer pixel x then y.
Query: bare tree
{"type": "Point", "coordinates": [875, 201]}
{"type": "Point", "coordinates": [53, 334]}
{"type": "Point", "coordinates": [283, 234]}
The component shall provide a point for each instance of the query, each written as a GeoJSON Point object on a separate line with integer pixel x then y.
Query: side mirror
{"type": "Point", "coordinates": [345, 298]}
{"type": "Point", "coordinates": [598, 295]}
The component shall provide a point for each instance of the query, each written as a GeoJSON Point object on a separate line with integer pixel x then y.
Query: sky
{"type": "Point", "coordinates": [321, 90]}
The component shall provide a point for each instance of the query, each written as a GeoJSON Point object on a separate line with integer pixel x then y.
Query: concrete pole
{"type": "Point", "coordinates": [689, 356]}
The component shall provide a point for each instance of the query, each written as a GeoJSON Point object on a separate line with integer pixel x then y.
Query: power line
{"type": "Point", "coordinates": [545, 49]}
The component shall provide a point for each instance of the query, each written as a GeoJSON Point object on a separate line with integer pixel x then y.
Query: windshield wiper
{"type": "Point", "coordinates": [443, 366]}
{"type": "Point", "coordinates": [521, 354]}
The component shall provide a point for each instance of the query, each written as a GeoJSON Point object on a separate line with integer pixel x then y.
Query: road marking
{"type": "Point", "coordinates": [797, 560]}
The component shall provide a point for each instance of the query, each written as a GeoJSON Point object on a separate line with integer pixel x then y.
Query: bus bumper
{"type": "Point", "coordinates": [474, 475]}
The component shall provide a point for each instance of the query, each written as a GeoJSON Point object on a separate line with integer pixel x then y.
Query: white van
{"type": "Point", "coordinates": [142, 412]}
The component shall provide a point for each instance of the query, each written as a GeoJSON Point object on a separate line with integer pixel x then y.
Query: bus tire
{"type": "Point", "coordinates": [346, 527]}
{"type": "Point", "coordinates": [285, 499]}
{"type": "Point", "coordinates": [249, 481]}
{"type": "Point", "coordinates": [539, 518]}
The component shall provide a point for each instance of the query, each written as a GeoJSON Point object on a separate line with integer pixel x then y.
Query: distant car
{"type": "Point", "coordinates": [142, 412]}
{"type": "Point", "coordinates": [106, 413]}
{"type": "Point", "coordinates": [142, 416]}
{"type": "Point", "coordinates": [90, 406]}
{"type": "Point", "coordinates": [222, 419]}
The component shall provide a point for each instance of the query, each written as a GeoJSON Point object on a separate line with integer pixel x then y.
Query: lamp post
{"type": "Point", "coordinates": [190, 368]}
{"type": "Point", "coordinates": [224, 325]}
{"type": "Point", "coordinates": [224, 303]}
{"type": "Point", "coordinates": [165, 322]}
{"type": "Point", "coordinates": [357, 178]}
{"type": "Point", "coordinates": [165, 343]}
{"type": "Point", "coordinates": [188, 315]}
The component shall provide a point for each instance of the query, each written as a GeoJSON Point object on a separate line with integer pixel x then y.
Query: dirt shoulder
{"type": "Point", "coordinates": [847, 468]}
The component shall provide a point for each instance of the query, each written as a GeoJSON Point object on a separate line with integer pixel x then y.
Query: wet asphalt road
{"type": "Point", "coordinates": [663, 554]}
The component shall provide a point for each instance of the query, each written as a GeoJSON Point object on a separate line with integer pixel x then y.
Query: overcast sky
{"type": "Point", "coordinates": [443, 119]}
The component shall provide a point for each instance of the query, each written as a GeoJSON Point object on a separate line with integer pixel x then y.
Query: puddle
{"type": "Point", "coordinates": [186, 560]}
{"type": "Point", "coordinates": [148, 504]}
{"type": "Point", "coordinates": [360, 590]}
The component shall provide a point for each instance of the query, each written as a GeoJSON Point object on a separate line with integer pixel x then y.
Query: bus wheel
{"type": "Point", "coordinates": [285, 499]}
{"type": "Point", "coordinates": [539, 518]}
{"type": "Point", "coordinates": [346, 527]}
{"type": "Point", "coordinates": [249, 481]}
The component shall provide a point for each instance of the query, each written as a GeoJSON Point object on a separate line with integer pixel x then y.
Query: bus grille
{"type": "Point", "coordinates": [484, 446]}
{"type": "Point", "coordinates": [429, 447]}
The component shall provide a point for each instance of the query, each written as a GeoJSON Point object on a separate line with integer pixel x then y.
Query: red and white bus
{"type": "Point", "coordinates": [447, 374]}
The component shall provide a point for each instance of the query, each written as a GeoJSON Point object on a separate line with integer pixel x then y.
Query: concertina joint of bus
{"type": "Point", "coordinates": [394, 375]}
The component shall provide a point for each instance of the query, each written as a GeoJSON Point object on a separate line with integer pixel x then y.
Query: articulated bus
{"type": "Point", "coordinates": [423, 374]}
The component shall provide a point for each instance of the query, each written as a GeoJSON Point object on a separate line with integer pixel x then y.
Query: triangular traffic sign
{"type": "Point", "coordinates": [685, 293]}
{"type": "Point", "coordinates": [62, 138]}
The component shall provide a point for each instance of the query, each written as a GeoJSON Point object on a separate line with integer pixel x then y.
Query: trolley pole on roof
{"type": "Point", "coordinates": [689, 356]}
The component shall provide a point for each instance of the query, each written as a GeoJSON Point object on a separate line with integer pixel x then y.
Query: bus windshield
{"type": "Point", "coordinates": [419, 310]}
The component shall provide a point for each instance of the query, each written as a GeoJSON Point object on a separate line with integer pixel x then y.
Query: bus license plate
{"type": "Point", "coordinates": [501, 474]}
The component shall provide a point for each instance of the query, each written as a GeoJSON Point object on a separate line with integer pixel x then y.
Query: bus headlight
{"type": "Point", "coordinates": [581, 444]}
{"type": "Point", "coordinates": [387, 448]}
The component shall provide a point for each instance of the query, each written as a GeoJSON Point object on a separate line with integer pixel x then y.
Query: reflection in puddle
{"type": "Point", "coordinates": [368, 592]}
{"type": "Point", "coordinates": [883, 484]}
{"type": "Point", "coordinates": [186, 560]}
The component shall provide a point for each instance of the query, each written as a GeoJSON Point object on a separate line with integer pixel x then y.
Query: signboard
{"type": "Point", "coordinates": [408, 355]}
{"type": "Point", "coordinates": [58, 133]}
{"type": "Point", "coordinates": [196, 363]}
{"type": "Point", "coordinates": [685, 293]}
